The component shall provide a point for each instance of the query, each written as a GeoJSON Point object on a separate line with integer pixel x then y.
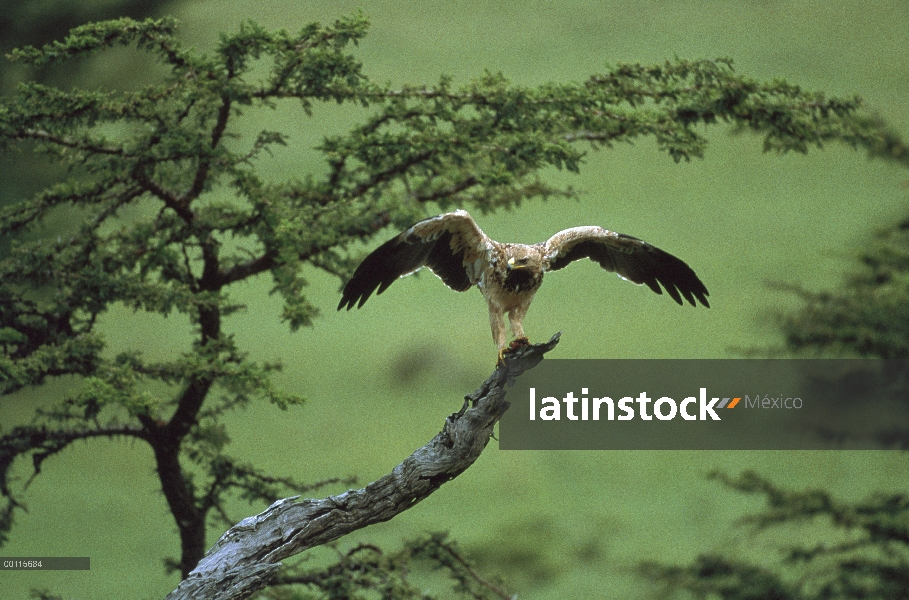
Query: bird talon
{"type": "Point", "coordinates": [500, 361]}
{"type": "Point", "coordinates": [515, 344]}
{"type": "Point", "coordinates": [519, 342]}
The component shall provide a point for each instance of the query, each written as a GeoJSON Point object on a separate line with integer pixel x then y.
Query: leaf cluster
{"type": "Point", "coordinates": [869, 559]}
{"type": "Point", "coordinates": [868, 315]}
{"type": "Point", "coordinates": [366, 571]}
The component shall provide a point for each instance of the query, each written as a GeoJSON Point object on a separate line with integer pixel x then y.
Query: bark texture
{"type": "Point", "coordinates": [248, 555]}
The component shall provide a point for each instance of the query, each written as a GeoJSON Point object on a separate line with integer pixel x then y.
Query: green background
{"type": "Point", "coordinates": [380, 381]}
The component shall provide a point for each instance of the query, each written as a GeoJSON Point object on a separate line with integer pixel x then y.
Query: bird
{"type": "Point", "coordinates": [454, 247]}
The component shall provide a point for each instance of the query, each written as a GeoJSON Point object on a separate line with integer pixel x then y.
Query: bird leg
{"type": "Point", "coordinates": [497, 323]}
{"type": "Point", "coordinates": [516, 319]}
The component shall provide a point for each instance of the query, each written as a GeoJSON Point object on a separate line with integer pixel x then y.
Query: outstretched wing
{"type": "Point", "coordinates": [451, 245]}
{"type": "Point", "coordinates": [631, 258]}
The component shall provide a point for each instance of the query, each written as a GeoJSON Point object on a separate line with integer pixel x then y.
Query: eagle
{"type": "Point", "coordinates": [455, 248]}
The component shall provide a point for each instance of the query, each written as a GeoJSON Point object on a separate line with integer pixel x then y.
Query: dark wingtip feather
{"type": "Point", "coordinates": [693, 291]}
{"type": "Point", "coordinates": [696, 292]}
{"type": "Point", "coordinates": [673, 292]}
{"type": "Point", "coordinates": [653, 285]}
{"type": "Point", "coordinates": [680, 280]}
{"type": "Point", "coordinates": [347, 301]}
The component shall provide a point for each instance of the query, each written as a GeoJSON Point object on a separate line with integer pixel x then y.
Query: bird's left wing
{"type": "Point", "coordinates": [452, 245]}
{"type": "Point", "coordinates": [631, 258]}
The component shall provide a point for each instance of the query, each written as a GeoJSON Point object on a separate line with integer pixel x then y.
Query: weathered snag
{"type": "Point", "coordinates": [247, 557]}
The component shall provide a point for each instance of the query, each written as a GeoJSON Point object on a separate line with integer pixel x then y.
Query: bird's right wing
{"type": "Point", "coordinates": [452, 245]}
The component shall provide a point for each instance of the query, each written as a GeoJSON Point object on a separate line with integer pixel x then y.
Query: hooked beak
{"type": "Point", "coordinates": [513, 265]}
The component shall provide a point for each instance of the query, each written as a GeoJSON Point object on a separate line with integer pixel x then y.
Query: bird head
{"type": "Point", "coordinates": [522, 257]}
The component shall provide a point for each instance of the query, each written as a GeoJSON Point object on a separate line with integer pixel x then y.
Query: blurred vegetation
{"type": "Point", "coordinates": [855, 550]}
{"type": "Point", "coordinates": [868, 316]}
{"type": "Point", "coordinates": [36, 23]}
{"type": "Point", "coordinates": [39, 22]}
{"type": "Point", "coordinates": [144, 230]}
{"type": "Point", "coordinates": [366, 571]}
{"type": "Point", "coordinates": [841, 549]}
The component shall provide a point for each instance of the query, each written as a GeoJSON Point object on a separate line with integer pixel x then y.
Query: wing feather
{"type": "Point", "coordinates": [630, 257]}
{"type": "Point", "coordinates": [452, 245]}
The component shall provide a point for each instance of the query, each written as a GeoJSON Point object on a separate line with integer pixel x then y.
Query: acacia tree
{"type": "Point", "coordinates": [206, 220]}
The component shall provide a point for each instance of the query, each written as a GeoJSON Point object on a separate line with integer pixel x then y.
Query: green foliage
{"type": "Point", "coordinates": [152, 35]}
{"type": "Point", "coordinates": [166, 212]}
{"type": "Point", "coordinates": [368, 572]}
{"type": "Point", "coordinates": [868, 316]}
{"type": "Point", "coordinates": [864, 552]}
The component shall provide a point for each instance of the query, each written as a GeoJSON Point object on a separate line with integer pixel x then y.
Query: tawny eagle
{"type": "Point", "coordinates": [455, 248]}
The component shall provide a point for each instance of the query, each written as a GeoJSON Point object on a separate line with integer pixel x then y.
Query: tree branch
{"type": "Point", "coordinates": [204, 167]}
{"type": "Point", "coordinates": [247, 269]}
{"type": "Point", "coordinates": [44, 443]}
{"type": "Point", "coordinates": [386, 175]}
{"type": "Point", "coordinates": [247, 557]}
{"type": "Point", "coordinates": [45, 136]}
{"type": "Point", "coordinates": [166, 196]}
